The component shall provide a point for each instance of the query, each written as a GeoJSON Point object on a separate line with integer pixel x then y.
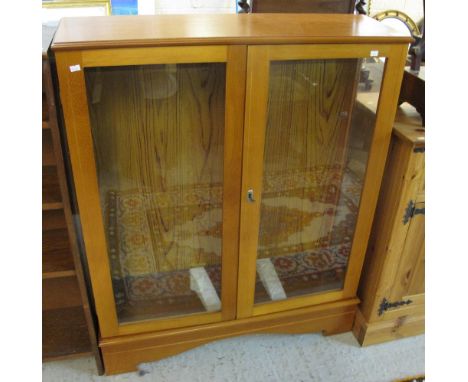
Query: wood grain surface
{"type": "Point", "coordinates": [394, 267]}
{"type": "Point", "coordinates": [64, 333]}
{"type": "Point", "coordinates": [124, 353]}
{"type": "Point", "coordinates": [172, 152]}
{"type": "Point", "coordinates": [261, 28]}
{"type": "Point", "coordinates": [393, 256]}
{"type": "Point", "coordinates": [308, 112]}
{"type": "Point", "coordinates": [61, 256]}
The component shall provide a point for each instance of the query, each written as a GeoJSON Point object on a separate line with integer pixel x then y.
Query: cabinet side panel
{"type": "Point", "coordinates": [410, 275]}
{"type": "Point", "coordinates": [382, 228]}
{"type": "Point", "coordinates": [385, 261]}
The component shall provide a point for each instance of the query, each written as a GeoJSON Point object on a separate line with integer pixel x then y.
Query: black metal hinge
{"type": "Point", "coordinates": [385, 305]}
{"type": "Point", "coordinates": [411, 210]}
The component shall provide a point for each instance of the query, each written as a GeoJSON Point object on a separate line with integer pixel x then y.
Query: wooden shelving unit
{"type": "Point", "coordinates": [56, 327]}
{"type": "Point", "coordinates": [67, 323]}
{"type": "Point", "coordinates": [56, 257]}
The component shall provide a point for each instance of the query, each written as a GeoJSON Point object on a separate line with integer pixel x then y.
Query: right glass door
{"type": "Point", "coordinates": [303, 190]}
{"type": "Point", "coordinates": [314, 163]}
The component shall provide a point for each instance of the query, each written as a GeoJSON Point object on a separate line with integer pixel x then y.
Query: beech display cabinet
{"type": "Point", "coordinates": [225, 182]}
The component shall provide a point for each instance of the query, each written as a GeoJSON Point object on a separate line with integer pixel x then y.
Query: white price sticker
{"type": "Point", "coordinates": [374, 53]}
{"type": "Point", "coordinates": [75, 68]}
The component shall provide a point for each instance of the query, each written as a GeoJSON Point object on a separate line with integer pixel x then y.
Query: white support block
{"type": "Point", "coordinates": [201, 284]}
{"type": "Point", "coordinates": [267, 272]}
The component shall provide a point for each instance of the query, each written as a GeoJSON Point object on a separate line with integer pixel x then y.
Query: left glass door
{"type": "Point", "coordinates": [159, 134]}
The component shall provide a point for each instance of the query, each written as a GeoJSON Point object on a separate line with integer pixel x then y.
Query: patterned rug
{"type": "Point", "coordinates": [154, 239]}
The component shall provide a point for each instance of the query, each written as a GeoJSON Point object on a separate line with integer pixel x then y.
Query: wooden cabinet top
{"type": "Point", "coordinates": [261, 28]}
{"type": "Point", "coordinates": [408, 125]}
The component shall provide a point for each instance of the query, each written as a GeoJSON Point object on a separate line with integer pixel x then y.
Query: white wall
{"type": "Point", "coordinates": [186, 6]}
{"type": "Point", "coordinates": [414, 8]}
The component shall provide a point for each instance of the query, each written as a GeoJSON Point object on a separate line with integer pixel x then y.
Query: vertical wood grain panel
{"type": "Point", "coordinates": [159, 138]}
{"type": "Point", "coordinates": [409, 278]}
{"type": "Point", "coordinates": [387, 242]}
{"type": "Point", "coordinates": [417, 283]}
{"type": "Point", "coordinates": [309, 111]}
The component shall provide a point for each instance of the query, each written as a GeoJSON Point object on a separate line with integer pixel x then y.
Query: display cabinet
{"type": "Point", "coordinates": [225, 182]}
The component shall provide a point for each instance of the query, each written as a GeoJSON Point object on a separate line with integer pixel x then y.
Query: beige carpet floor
{"type": "Point", "coordinates": [259, 358]}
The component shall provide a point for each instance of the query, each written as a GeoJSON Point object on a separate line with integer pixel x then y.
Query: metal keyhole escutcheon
{"type": "Point", "coordinates": [250, 196]}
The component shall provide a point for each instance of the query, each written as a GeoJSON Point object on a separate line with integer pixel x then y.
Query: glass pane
{"type": "Point", "coordinates": [321, 116]}
{"type": "Point", "coordinates": [158, 134]}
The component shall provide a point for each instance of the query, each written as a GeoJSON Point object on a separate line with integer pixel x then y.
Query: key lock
{"type": "Point", "coordinates": [250, 196]}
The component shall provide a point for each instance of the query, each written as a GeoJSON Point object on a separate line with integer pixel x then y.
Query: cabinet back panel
{"type": "Point", "coordinates": [304, 149]}
{"type": "Point", "coordinates": [314, 163]}
{"type": "Point", "coordinates": [158, 134]}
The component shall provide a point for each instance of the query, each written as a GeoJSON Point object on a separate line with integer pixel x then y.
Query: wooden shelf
{"type": "Point", "coordinates": [53, 219]}
{"type": "Point", "coordinates": [50, 185]}
{"type": "Point", "coordinates": [60, 292]}
{"type": "Point", "coordinates": [48, 155]}
{"type": "Point", "coordinates": [58, 274]}
{"type": "Point", "coordinates": [58, 340]}
{"type": "Point", "coordinates": [52, 206]}
{"type": "Point", "coordinates": [56, 253]}
{"type": "Point", "coordinates": [45, 108]}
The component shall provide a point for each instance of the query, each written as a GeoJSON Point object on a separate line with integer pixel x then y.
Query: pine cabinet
{"type": "Point", "coordinates": [392, 288]}
{"type": "Point", "coordinates": [225, 181]}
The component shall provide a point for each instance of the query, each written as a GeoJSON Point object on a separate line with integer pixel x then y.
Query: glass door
{"type": "Point", "coordinates": [161, 141]}
{"type": "Point", "coordinates": [158, 134]}
{"type": "Point", "coordinates": [312, 121]}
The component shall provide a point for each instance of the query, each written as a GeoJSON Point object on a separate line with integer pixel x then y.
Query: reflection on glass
{"type": "Point", "coordinates": [158, 134]}
{"type": "Point", "coordinates": [321, 116]}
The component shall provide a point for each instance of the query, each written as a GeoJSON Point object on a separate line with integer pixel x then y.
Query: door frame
{"type": "Point", "coordinates": [70, 67]}
{"type": "Point", "coordinates": [258, 67]}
